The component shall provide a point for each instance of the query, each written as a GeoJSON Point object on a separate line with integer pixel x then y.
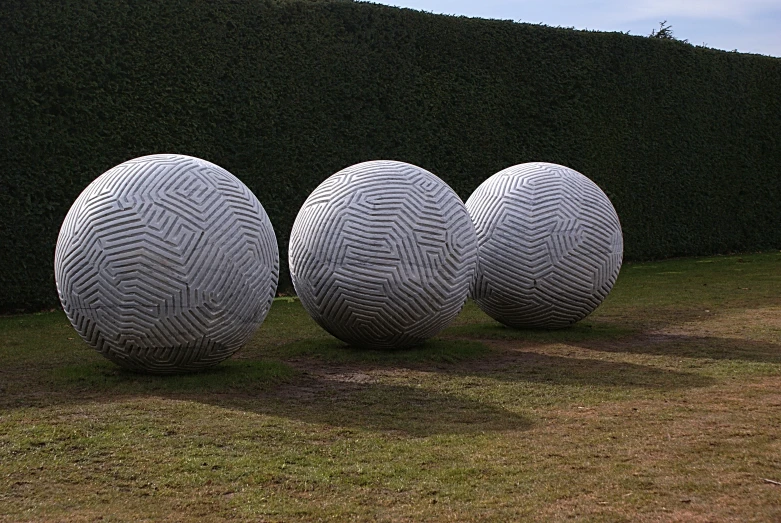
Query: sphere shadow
{"type": "Point", "coordinates": [605, 337]}
{"type": "Point", "coordinates": [502, 361]}
{"type": "Point", "coordinates": [270, 388]}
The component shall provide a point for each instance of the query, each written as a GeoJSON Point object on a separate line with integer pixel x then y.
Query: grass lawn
{"type": "Point", "coordinates": [665, 404]}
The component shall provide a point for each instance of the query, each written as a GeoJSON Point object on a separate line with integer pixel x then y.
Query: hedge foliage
{"type": "Point", "coordinates": [686, 141]}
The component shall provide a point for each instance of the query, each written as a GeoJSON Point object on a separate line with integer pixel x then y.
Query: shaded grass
{"type": "Point", "coordinates": [582, 331]}
{"type": "Point", "coordinates": [233, 375]}
{"type": "Point", "coordinates": [662, 405]}
{"type": "Point", "coordinates": [432, 351]}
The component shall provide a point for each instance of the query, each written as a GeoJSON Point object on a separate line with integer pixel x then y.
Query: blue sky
{"type": "Point", "coordinates": [750, 26]}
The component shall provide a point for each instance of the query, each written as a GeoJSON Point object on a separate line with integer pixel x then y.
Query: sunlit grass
{"type": "Point", "coordinates": [664, 404]}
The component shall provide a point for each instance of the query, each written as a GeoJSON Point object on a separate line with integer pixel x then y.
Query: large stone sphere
{"type": "Point", "coordinates": [382, 254]}
{"type": "Point", "coordinates": [166, 263]}
{"type": "Point", "coordinates": [549, 242]}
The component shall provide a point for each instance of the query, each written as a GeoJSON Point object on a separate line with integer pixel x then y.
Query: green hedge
{"type": "Point", "coordinates": [686, 141]}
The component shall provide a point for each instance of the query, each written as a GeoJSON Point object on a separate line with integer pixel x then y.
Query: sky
{"type": "Point", "coordinates": [750, 26]}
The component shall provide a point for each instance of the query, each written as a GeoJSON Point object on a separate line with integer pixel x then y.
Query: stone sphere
{"type": "Point", "coordinates": [549, 242]}
{"type": "Point", "coordinates": [166, 263]}
{"type": "Point", "coordinates": [382, 254]}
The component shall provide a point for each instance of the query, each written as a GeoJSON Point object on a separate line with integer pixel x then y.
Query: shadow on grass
{"type": "Point", "coordinates": [687, 346]}
{"type": "Point", "coordinates": [471, 358]}
{"type": "Point", "coordinates": [274, 388]}
{"type": "Point", "coordinates": [607, 337]}
{"type": "Point", "coordinates": [335, 398]}
{"type": "Point", "coordinates": [382, 407]}
{"type": "Point", "coordinates": [534, 367]}
{"type": "Point", "coordinates": [348, 396]}
{"type": "Point", "coordinates": [304, 380]}
{"type": "Point", "coordinates": [331, 350]}
{"type": "Point", "coordinates": [229, 376]}
{"type": "Point", "coordinates": [583, 331]}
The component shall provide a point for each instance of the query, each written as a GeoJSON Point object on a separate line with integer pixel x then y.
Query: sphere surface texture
{"type": "Point", "coordinates": [382, 254]}
{"type": "Point", "coordinates": [550, 245]}
{"type": "Point", "coordinates": [166, 263]}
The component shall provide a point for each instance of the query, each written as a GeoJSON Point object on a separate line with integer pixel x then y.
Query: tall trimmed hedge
{"type": "Point", "coordinates": [686, 141]}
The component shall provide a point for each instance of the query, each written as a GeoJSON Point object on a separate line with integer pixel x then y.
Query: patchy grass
{"type": "Point", "coordinates": [665, 404]}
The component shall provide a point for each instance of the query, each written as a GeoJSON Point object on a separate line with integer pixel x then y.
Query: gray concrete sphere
{"type": "Point", "coordinates": [550, 245]}
{"type": "Point", "coordinates": [166, 263]}
{"type": "Point", "coordinates": [382, 254]}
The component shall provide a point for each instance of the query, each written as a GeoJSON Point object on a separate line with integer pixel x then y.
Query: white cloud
{"type": "Point", "coordinates": [748, 25]}
{"type": "Point", "coordinates": [739, 11]}
{"type": "Point", "coordinates": [606, 10]}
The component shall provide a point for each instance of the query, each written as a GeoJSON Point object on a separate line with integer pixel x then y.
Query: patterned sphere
{"type": "Point", "coordinates": [549, 242]}
{"type": "Point", "coordinates": [382, 254]}
{"type": "Point", "coordinates": [166, 263]}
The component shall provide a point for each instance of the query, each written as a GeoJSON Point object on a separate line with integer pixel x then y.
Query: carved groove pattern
{"type": "Point", "coordinates": [166, 263]}
{"type": "Point", "coordinates": [550, 245]}
{"type": "Point", "coordinates": [382, 254]}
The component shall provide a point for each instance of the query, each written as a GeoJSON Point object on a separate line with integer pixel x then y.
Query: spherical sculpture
{"type": "Point", "coordinates": [166, 263]}
{"type": "Point", "coordinates": [550, 245]}
{"type": "Point", "coordinates": [382, 254]}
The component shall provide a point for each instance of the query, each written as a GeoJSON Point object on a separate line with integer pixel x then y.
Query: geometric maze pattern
{"type": "Point", "coordinates": [166, 263]}
{"type": "Point", "coordinates": [550, 245]}
{"type": "Point", "coordinates": [382, 254]}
